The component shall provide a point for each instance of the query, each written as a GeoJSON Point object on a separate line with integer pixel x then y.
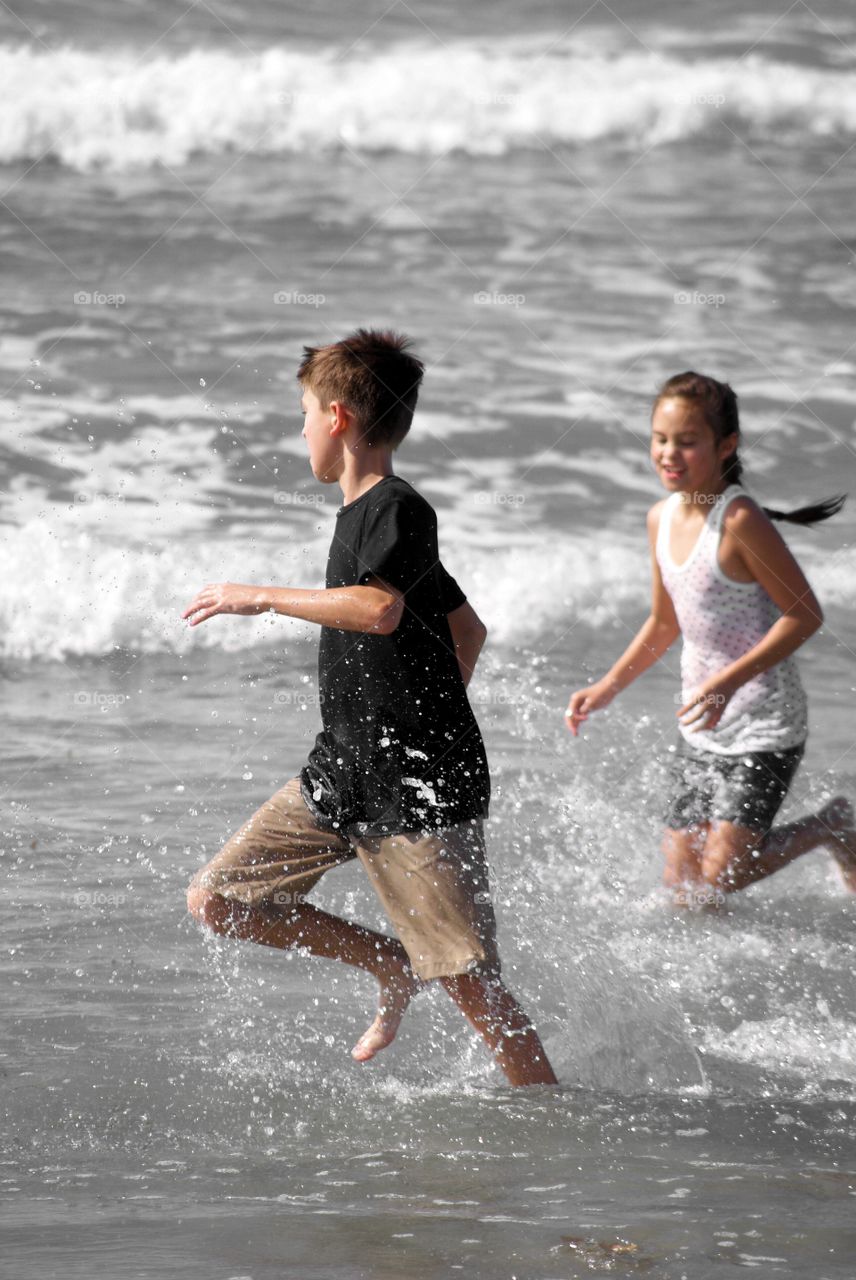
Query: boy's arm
{"type": "Point", "coordinates": [375, 607]}
{"type": "Point", "coordinates": [468, 636]}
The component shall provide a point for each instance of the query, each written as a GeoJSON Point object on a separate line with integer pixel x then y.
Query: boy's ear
{"type": "Point", "coordinates": [340, 417]}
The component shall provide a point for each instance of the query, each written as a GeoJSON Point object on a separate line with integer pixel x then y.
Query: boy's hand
{"type": "Point", "coordinates": [224, 597]}
{"type": "Point", "coordinates": [593, 698]}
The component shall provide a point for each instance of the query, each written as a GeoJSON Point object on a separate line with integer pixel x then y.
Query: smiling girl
{"type": "Point", "coordinates": [725, 580]}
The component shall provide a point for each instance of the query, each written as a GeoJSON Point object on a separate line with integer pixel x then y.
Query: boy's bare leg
{"type": "Point", "coordinates": [323, 935]}
{"type": "Point", "coordinates": [734, 857]}
{"type": "Point", "coordinates": [505, 1028]}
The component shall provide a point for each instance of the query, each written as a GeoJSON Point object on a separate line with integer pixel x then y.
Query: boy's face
{"type": "Point", "coordinates": [323, 435]}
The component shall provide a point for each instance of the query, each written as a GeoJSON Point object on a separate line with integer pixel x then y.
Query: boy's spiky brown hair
{"type": "Point", "coordinates": [374, 373]}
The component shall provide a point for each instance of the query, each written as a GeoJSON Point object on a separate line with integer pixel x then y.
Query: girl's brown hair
{"type": "Point", "coordinates": [718, 404]}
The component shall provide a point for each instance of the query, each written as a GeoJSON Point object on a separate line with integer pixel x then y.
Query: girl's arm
{"type": "Point", "coordinates": [766, 556]}
{"type": "Point", "coordinates": [654, 637]}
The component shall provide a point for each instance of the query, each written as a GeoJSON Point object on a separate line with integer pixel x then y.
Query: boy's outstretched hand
{"type": "Point", "coordinates": [224, 597]}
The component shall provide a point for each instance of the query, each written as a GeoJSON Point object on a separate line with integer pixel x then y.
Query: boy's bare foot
{"type": "Point", "coordinates": [839, 818]}
{"type": "Point", "coordinates": [396, 992]}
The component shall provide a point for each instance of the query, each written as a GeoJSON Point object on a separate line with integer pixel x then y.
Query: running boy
{"type": "Point", "coordinates": [398, 775]}
{"type": "Point", "coordinates": [725, 580]}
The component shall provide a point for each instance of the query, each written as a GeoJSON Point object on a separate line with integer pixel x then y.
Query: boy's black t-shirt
{"type": "Point", "coordinates": [400, 749]}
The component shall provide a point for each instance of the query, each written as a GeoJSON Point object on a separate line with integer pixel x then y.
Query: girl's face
{"type": "Point", "coordinates": [684, 450]}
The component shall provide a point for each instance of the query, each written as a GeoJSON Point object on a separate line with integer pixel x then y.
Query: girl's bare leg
{"type": "Point", "coordinates": [838, 814]}
{"type": "Point", "coordinates": [682, 849]}
{"type": "Point", "coordinates": [735, 856]}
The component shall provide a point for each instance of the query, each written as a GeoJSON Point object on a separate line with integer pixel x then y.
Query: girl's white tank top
{"type": "Point", "coordinates": [720, 620]}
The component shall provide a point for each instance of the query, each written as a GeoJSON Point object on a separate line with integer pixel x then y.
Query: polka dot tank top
{"type": "Point", "coordinates": [720, 620]}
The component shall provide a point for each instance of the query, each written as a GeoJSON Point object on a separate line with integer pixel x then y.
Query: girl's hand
{"type": "Point", "coordinates": [705, 708]}
{"type": "Point", "coordinates": [593, 698]}
{"type": "Point", "coordinates": [224, 597]}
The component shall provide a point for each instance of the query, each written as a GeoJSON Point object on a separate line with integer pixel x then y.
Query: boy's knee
{"type": "Point", "coordinates": [206, 906]}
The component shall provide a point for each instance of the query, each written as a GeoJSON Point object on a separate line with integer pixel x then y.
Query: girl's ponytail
{"type": "Point", "coordinates": [718, 403]}
{"type": "Point", "coordinates": [811, 514]}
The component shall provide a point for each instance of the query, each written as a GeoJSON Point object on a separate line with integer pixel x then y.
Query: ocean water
{"type": "Point", "coordinates": [564, 205]}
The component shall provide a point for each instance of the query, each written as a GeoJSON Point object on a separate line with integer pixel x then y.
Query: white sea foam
{"type": "Point", "coordinates": [71, 587]}
{"type": "Point", "coordinates": [74, 582]}
{"type": "Point", "coordinates": [114, 110]}
{"type": "Point", "coordinates": [822, 1048]}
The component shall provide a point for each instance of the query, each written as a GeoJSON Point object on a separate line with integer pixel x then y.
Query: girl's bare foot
{"type": "Point", "coordinates": [843, 849]}
{"type": "Point", "coordinates": [396, 992]}
{"type": "Point", "coordinates": [839, 819]}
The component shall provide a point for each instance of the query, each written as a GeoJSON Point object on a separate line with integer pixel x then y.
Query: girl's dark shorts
{"type": "Point", "coordinates": [746, 789]}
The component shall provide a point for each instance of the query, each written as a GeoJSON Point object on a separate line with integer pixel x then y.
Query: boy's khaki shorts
{"type": "Point", "coordinates": [433, 886]}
